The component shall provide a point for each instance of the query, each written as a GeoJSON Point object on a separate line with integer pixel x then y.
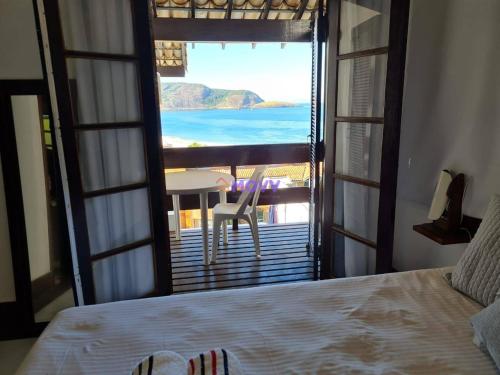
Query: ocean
{"type": "Point", "coordinates": [236, 127]}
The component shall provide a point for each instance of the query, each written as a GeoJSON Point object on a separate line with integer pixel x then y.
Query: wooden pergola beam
{"type": "Point", "coordinates": [267, 8]}
{"type": "Point", "coordinates": [301, 10]}
{"type": "Point", "coordinates": [229, 9]}
{"type": "Point", "coordinates": [231, 30]}
{"type": "Point", "coordinates": [171, 71]}
{"type": "Point", "coordinates": [155, 12]}
{"type": "Point", "coordinates": [193, 8]}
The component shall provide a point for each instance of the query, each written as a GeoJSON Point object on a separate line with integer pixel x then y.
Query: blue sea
{"type": "Point", "coordinates": [239, 126]}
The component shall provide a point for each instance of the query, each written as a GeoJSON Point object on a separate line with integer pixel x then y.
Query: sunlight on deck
{"type": "Point", "coordinates": [284, 259]}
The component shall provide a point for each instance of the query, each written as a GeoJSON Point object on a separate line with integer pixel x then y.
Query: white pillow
{"type": "Point", "coordinates": [477, 273]}
{"type": "Point", "coordinates": [486, 326]}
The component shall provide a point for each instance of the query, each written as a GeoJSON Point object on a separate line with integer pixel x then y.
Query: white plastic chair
{"type": "Point", "coordinates": [240, 210]}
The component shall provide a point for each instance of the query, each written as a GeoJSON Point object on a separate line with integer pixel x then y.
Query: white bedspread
{"type": "Point", "coordinates": [406, 323]}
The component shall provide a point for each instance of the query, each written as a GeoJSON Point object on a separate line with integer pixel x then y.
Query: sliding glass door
{"type": "Point", "coordinates": [104, 79]}
{"type": "Point", "coordinates": [366, 69]}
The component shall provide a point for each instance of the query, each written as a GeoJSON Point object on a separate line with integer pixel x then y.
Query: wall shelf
{"type": "Point", "coordinates": [463, 235]}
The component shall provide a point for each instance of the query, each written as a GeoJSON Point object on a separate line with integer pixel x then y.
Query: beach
{"type": "Point", "coordinates": [218, 127]}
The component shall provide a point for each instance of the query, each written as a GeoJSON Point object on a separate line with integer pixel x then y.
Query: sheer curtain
{"type": "Point", "coordinates": [106, 92]}
{"type": "Point", "coordinates": [361, 93]}
{"type": "Point", "coordinates": [358, 153]}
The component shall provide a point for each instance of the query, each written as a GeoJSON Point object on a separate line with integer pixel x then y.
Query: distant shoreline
{"type": "Point", "coordinates": [176, 142]}
{"type": "Point", "coordinates": [257, 107]}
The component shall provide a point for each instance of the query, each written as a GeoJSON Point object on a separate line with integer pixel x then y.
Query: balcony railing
{"type": "Point", "coordinates": [233, 157]}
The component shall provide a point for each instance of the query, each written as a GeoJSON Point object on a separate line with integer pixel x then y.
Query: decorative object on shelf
{"type": "Point", "coordinates": [449, 225]}
{"type": "Point", "coordinates": [451, 216]}
{"type": "Point", "coordinates": [440, 199]}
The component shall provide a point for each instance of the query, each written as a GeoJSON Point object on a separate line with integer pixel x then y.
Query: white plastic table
{"type": "Point", "coordinates": [198, 182]}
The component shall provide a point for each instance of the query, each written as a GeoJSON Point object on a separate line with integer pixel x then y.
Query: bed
{"type": "Point", "coordinates": [402, 323]}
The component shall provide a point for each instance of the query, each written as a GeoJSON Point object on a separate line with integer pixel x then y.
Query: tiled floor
{"type": "Point", "coordinates": [12, 353]}
{"type": "Point", "coordinates": [62, 302]}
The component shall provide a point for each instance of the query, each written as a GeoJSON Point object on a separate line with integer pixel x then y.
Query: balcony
{"type": "Point", "coordinates": [283, 246]}
{"type": "Point", "coordinates": [232, 157]}
{"type": "Point", "coordinates": [284, 259]}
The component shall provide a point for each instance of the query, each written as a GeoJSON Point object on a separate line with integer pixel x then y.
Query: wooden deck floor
{"type": "Point", "coordinates": [284, 259]}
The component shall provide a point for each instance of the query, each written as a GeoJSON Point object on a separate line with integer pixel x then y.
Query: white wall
{"type": "Point", "coordinates": [7, 292]}
{"type": "Point", "coordinates": [19, 59]}
{"type": "Point", "coordinates": [32, 171]}
{"type": "Point", "coordinates": [20, 55]}
{"type": "Point", "coordinates": [451, 117]}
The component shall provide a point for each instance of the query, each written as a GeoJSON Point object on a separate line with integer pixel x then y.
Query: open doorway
{"type": "Point", "coordinates": [111, 134]}
{"type": "Point", "coordinates": [228, 107]}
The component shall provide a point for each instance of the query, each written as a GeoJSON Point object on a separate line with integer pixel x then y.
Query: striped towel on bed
{"type": "Point", "coordinates": [161, 363]}
{"type": "Point", "coordinates": [214, 362]}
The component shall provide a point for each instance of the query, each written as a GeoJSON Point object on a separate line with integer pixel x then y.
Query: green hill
{"type": "Point", "coordinates": [183, 96]}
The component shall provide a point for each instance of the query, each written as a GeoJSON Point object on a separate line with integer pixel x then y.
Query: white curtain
{"type": "Point", "coordinates": [358, 155]}
{"type": "Point", "coordinates": [97, 25]}
{"type": "Point", "coordinates": [101, 151]}
{"type": "Point", "coordinates": [117, 219]}
{"type": "Point", "coordinates": [125, 276]}
{"type": "Point", "coordinates": [102, 92]}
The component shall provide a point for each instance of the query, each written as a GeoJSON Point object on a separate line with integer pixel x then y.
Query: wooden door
{"type": "Point", "coordinates": [106, 101]}
{"type": "Point", "coordinates": [365, 76]}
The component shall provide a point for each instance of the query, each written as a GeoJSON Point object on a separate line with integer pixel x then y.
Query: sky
{"type": "Point", "coordinates": [268, 70]}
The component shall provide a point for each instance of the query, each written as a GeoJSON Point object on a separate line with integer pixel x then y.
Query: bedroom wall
{"type": "Point", "coordinates": [450, 113]}
{"type": "Point", "coordinates": [33, 182]}
{"type": "Point", "coordinates": [20, 55]}
{"type": "Point", "coordinates": [451, 118]}
{"type": "Point", "coordinates": [19, 59]}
